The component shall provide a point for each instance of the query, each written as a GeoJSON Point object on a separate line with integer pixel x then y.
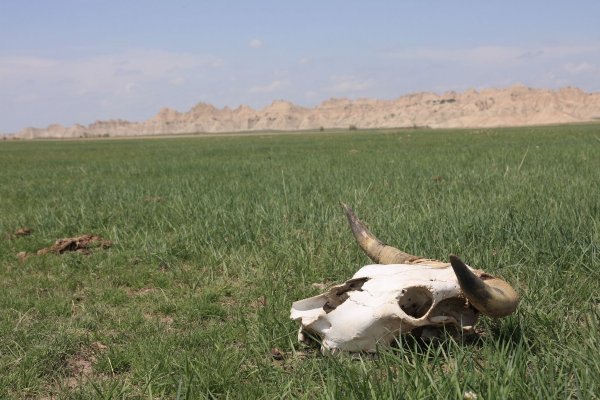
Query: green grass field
{"type": "Point", "coordinates": [215, 237]}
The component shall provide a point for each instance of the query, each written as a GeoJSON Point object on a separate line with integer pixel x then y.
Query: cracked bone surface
{"type": "Point", "coordinates": [382, 301]}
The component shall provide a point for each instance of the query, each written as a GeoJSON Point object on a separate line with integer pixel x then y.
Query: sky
{"type": "Point", "coordinates": [80, 61]}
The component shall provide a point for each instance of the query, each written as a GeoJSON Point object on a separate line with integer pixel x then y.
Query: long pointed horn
{"type": "Point", "coordinates": [373, 247]}
{"type": "Point", "coordinates": [492, 297]}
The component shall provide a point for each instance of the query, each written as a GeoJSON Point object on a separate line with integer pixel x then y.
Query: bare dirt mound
{"type": "Point", "coordinates": [82, 244]}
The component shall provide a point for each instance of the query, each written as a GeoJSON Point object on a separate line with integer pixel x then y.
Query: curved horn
{"type": "Point", "coordinates": [492, 297]}
{"type": "Point", "coordinates": [373, 247]}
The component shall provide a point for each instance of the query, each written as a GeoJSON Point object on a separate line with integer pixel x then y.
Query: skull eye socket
{"type": "Point", "coordinates": [415, 301]}
{"type": "Point", "coordinates": [339, 294]}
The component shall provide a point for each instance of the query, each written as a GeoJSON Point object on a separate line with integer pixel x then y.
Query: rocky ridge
{"type": "Point", "coordinates": [514, 106]}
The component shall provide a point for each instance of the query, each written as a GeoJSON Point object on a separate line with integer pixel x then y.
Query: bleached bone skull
{"type": "Point", "coordinates": [397, 295]}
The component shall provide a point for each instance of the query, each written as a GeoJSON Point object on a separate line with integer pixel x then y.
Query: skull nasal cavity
{"type": "Point", "coordinates": [415, 301]}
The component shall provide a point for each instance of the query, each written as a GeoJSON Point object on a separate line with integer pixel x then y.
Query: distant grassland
{"type": "Point", "coordinates": [215, 237]}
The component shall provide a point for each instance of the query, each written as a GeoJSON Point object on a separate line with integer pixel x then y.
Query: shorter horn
{"type": "Point", "coordinates": [373, 247]}
{"type": "Point", "coordinates": [492, 297]}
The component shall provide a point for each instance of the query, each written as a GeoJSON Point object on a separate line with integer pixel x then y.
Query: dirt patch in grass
{"type": "Point", "coordinates": [19, 232]}
{"type": "Point", "coordinates": [229, 301]}
{"type": "Point", "coordinates": [80, 244]}
{"type": "Point", "coordinates": [80, 368]}
{"type": "Point", "coordinates": [166, 321]}
{"type": "Point", "coordinates": [23, 231]}
{"type": "Point", "coordinates": [259, 303]}
{"type": "Point", "coordinates": [141, 292]}
{"type": "Point", "coordinates": [83, 244]}
{"type": "Point", "coordinates": [81, 365]}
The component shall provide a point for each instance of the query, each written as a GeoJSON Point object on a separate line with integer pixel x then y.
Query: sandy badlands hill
{"type": "Point", "coordinates": [514, 106]}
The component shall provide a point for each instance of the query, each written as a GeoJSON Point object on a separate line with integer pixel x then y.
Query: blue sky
{"type": "Point", "coordinates": [79, 61]}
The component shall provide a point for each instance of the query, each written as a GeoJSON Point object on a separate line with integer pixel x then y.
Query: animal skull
{"type": "Point", "coordinates": [397, 295]}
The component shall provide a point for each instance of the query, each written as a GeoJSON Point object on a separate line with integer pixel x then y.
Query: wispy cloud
{"type": "Point", "coordinates": [111, 73]}
{"type": "Point", "coordinates": [271, 87]}
{"type": "Point", "coordinates": [349, 85]}
{"type": "Point", "coordinates": [256, 43]}
{"type": "Point", "coordinates": [490, 55]}
{"type": "Point", "coordinates": [580, 68]}
{"type": "Point", "coordinates": [549, 65]}
{"type": "Point", "coordinates": [477, 55]}
{"type": "Point", "coordinates": [41, 90]}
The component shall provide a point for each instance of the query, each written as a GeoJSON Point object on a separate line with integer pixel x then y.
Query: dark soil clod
{"type": "Point", "coordinates": [81, 244]}
{"type": "Point", "coordinates": [23, 231]}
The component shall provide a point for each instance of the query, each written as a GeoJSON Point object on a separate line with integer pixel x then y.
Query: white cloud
{"type": "Point", "coordinates": [580, 68]}
{"type": "Point", "coordinates": [41, 90]}
{"type": "Point", "coordinates": [271, 87]}
{"type": "Point", "coordinates": [27, 98]}
{"type": "Point", "coordinates": [177, 81]}
{"type": "Point", "coordinates": [111, 73]}
{"type": "Point", "coordinates": [476, 55]}
{"type": "Point", "coordinates": [256, 43]}
{"type": "Point", "coordinates": [130, 87]}
{"type": "Point", "coordinates": [491, 55]}
{"type": "Point", "coordinates": [348, 84]}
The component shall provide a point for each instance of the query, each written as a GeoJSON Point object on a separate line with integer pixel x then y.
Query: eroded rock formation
{"type": "Point", "coordinates": [514, 106]}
